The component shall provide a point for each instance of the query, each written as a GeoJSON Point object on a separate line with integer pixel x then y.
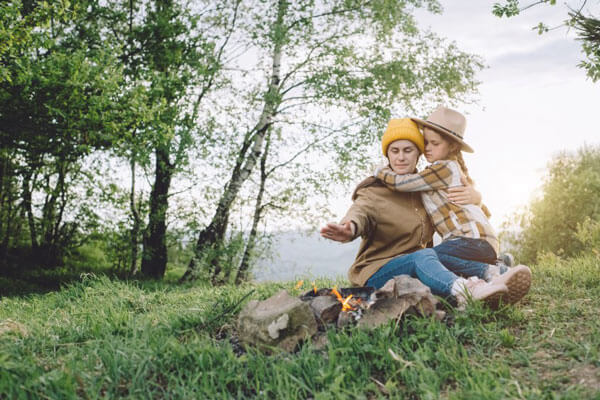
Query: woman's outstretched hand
{"type": "Point", "coordinates": [464, 195]}
{"type": "Point", "coordinates": [338, 232]}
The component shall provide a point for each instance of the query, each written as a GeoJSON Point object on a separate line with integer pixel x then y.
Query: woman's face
{"type": "Point", "coordinates": [403, 156]}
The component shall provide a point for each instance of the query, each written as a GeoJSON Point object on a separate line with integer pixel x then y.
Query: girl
{"type": "Point", "coordinates": [469, 244]}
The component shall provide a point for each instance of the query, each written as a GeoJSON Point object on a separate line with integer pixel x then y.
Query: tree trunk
{"type": "Point", "coordinates": [242, 272]}
{"type": "Point", "coordinates": [29, 209]}
{"type": "Point", "coordinates": [5, 203]}
{"type": "Point", "coordinates": [135, 215]}
{"type": "Point", "coordinates": [154, 255]}
{"type": "Point", "coordinates": [3, 192]}
{"type": "Point", "coordinates": [135, 228]}
{"type": "Point", "coordinates": [52, 212]}
{"type": "Point", "coordinates": [211, 237]}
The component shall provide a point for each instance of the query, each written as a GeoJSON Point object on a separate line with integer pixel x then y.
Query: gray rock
{"type": "Point", "coordinates": [326, 308]}
{"type": "Point", "coordinates": [399, 296]}
{"type": "Point", "coordinates": [281, 321]}
{"type": "Point", "coordinates": [344, 319]}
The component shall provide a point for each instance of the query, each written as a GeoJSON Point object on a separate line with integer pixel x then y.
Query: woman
{"type": "Point", "coordinates": [395, 228]}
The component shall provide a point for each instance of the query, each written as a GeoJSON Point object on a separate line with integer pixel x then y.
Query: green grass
{"type": "Point", "coordinates": [103, 338]}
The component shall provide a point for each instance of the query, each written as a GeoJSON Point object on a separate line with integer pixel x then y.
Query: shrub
{"type": "Point", "coordinates": [564, 220]}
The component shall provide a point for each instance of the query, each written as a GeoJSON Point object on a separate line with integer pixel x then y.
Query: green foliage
{"type": "Point", "coordinates": [586, 26]}
{"type": "Point", "coordinates": [59, 104]}
{"type": "Point", "coordinates": [227, 254]}
{"type": "Point", "coordinates": [509, 9]}
{"type": "Point", "coordinates": [165, 84]}
{"type": "Point", "coordinates": [87, 256]}
{"type": "Point", "coordinates": [84, 77]}
{"type": "Point", "coordinates": [106, 338]}
{"type": "Point", "coordinates": [16, 28]}
{"type": "Point", "coordinates": [512, 7]}
{"type": "Point", "coordinates": [564, 220]}
{"type": "Point", "coordinates": [588, 233]}
{"type": "Point", "coordinates": [588, 29]}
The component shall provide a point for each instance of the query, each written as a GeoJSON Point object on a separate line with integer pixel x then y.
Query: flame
{"type": "Point", "coordinates": [337, 294]}
{"type": "Point", "coordinates": [314, 288]}
{"type": "Point", "coordinates": [345, 305]}
{"type": "Point", "coordinates": [299, 285]}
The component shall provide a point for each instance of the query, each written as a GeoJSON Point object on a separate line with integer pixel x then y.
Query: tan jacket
{"type": "Point", "coordinates": [390, 224]}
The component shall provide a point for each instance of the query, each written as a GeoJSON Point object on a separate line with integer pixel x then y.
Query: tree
{"type": "Point", "coordinates": [361, 60]}
{"type": "Point", "coordinates": [568, 204]}
{"type": "Point", "coordinates": [57, 105]}
{"type": "Point", "coordinates": [163, 57]}
{"type": "Point", "coordinates": [586, 26]}
{"type": "Point", "coordinates": [259, 209]}
{"type": "Point", "coordinates": [181, 64]}
{"type": "Point", "coordinates": [588, 29]}
{"type": "Point", "coordinates": [171, 54]}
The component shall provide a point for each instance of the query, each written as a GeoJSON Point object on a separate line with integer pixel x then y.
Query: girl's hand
{"type": "Point", "coordinates": [338, 232]}
{"type": "Point", "coordinates": [464, 195]}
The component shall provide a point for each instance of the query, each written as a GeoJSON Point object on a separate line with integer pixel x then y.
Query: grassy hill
{"type": "Point", "coordinates": [100, 338]}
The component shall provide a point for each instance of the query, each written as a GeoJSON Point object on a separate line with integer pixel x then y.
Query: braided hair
{"type": "Point", "coordinates": [457, 155]}
{"type": "Point", "coordinates": [463, 167]}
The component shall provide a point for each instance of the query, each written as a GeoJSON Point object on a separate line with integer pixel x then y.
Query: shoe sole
{"type": "Point", "coordinates": [518, 285]}
{"type": "Point", "coordinates": [493, 300]}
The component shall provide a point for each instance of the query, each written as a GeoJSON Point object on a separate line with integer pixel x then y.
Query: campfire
{"type": "Point", "coordinates": [349, 300]}
{"type": "Point", "coordinates": [284, 321]}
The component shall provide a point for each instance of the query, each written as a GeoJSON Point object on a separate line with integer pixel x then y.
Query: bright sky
{"type": "Point", "coordinates": [534, 101]}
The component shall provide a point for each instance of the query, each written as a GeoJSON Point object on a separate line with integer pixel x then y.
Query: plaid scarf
{"type": "Point", "coordinates": [448, 219]}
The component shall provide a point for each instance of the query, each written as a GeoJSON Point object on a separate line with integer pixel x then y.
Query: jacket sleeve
{"type": "Point", "coordinates": [434, 177]}
{"type": "Point", "coordinates": [362, 213]}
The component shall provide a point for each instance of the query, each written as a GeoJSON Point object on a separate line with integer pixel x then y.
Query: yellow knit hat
{"type": "Point", "coordinates": [403, 128]}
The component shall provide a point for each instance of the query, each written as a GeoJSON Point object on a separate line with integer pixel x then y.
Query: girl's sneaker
{"type": "Point", "coordinates": [502, 265]}
{"type": "Point", "coordinates": [517, 280]}
{"type": "Point", "coordinates": [494, 270]}
{"type": "Point", "coordinates": [478, 289]}
{"type": "Point", "coordinates": [506, 259]}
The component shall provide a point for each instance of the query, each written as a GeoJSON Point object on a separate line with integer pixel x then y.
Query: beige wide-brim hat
{"type": "Point", "coordinates": [447, 122]}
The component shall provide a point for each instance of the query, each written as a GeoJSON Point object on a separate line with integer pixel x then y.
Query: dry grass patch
{"type": "Point", "coordinates": [11, 327]}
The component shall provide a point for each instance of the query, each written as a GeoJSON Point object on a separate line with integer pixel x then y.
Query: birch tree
{"type": "Point", "coordinates": [329, 64]}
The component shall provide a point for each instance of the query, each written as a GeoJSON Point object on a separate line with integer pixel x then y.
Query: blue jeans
{"type": "Point", "coordinates": [466, 256]}
{"type": "Point", "coordinates": [423, 265]}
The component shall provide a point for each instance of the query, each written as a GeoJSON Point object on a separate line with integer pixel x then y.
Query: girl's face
{"type": "Point", "coordinates": [437, 147]}
{"type": "Point", "coordinates": [403, 156]}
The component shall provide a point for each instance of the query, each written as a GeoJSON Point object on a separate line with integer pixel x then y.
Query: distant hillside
{"type": "Point", "coordinates": [299, 254]}
{"type": "Point", "coordinates": [302, 254]}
